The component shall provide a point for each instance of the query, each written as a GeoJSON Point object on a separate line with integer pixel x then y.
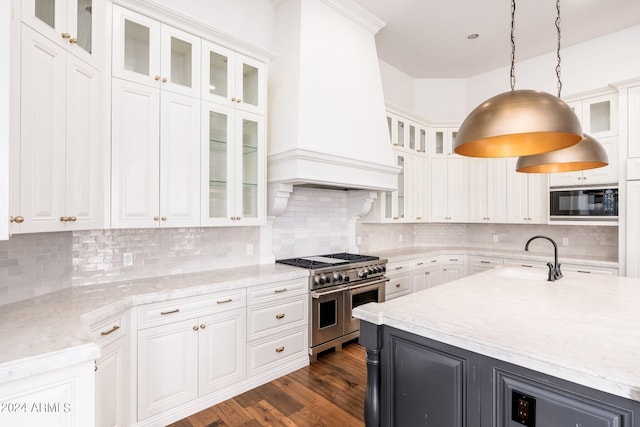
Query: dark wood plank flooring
{"type": "Point", "coordinates": [329, 392]}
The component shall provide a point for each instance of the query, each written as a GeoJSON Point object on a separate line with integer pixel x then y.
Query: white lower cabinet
{"type": "Point", "coordinates": [399, 274]}
{"type": "Point", "coordinates": [60, 398]}
{"type": "Point", "coordinates": [452, 268]}
{"type": "Point", "coordinates": [199, 346]}
{"type": "Point", "coordinates": [479, 263]}
{"type": "Point", "coordinates": [426, 273]}
{"type": "Point", "coordinates": [112, 372]}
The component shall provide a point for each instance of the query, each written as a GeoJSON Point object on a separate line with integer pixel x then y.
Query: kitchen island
{"type": "Point", "coordinates": [506, 348]}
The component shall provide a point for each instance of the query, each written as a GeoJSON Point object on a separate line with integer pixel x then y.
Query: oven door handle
{"type": "Point", "coordinates": [363, 285]}
{"type": "Point", "coordinates": [316, 295]}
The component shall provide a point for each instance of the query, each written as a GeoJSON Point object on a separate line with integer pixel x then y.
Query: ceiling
{"type": "Point", "coordinates": [428, 38]}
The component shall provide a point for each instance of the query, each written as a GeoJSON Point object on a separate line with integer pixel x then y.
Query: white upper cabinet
{"type": "Point", "coordinates": [57, 184]}
{"type": "Point", "coordinates": [527, 196]}
{"type": "Point", "coordinates": [599, 118]}
{"type": "Point", "coordinates": [148, 52]}
{"type": "Point", "coordinates": [232, 79]}
{"type": "Point", "coordinates": [448, 189]}
{"type": "Point", "coordinates": [487, 190]}
{"type": "Point", "coordinates": [233, 166]}
{"type": "Point", "coordinates": [598, 114]}
{"type": "Point", "coordinates": [633, 121]}
{"type": "Point", "coordinates": [442, 141]}
{"type": "Point", "coordinates": [69, 23]}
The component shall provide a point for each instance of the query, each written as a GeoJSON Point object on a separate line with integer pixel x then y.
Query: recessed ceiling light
{"type": "Point", "coordinates": [473, 36]}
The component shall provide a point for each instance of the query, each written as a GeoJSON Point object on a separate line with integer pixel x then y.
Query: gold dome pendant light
{"type": "Point", "coordinates": [518, 122]}
{"type": "Point", "coordinates": [587, 154]}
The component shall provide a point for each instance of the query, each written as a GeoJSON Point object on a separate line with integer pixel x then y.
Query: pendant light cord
{"type": "Point", "coordinates": [513, 45]}
{"type": "Point", "coordinates": [558, 50]}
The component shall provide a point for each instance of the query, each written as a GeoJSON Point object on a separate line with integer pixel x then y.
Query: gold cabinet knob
{"type": "Point", "coordinates": [65, 35]}
{"type": "Point", "coordinates": [156, 218]}
{"type": "Point", "coordinates": [280, 349]}
{"type": "Point", "coordinates": [280, 316]}
{"type": "Point", "coordinates": [156, 78]}
{"type": "Point", "coordinates": [164, 218]}
{"type": "Point", "coordinates": [17, 219]}
{"type": "Point", "coordinates": [238, 100]}
{"type": "Point", "coordinates": [233, 218]}
{"type": "Point", "coordinates": [238, 218]}
{"type": "Point", "coordinates": [233, 99]}
{"type": "Point", "coordinates": [64, 218]}
{"type": "Point", "coordinates": [195, 328]}
{"type": "Point", "coordinates": [164, 80]}
{"type": "Point", "coordinates": [202, 326]}
{"type": "Point", "coordinates": [73, 40]}
{"type": "Point", "coordinates": [72, 218]}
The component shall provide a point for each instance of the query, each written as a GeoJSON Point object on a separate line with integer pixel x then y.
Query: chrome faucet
{"type": "Point", "coordinates": [554, 269]}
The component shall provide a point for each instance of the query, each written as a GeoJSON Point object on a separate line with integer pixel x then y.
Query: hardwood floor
{"type": "Point", "coordinates": [329, 392]}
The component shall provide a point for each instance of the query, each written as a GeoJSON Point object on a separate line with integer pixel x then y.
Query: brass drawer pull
{"type": "Point", "coordinates": [526, 265]}
{"type": "Point", "coordinates": [224, 301]}
{"type": "Point", "coordinates": [484, 262]}
{"type": "Point", "coordinates": [399, 268]}
{"type": "Point", "coordinates": [280, 316]}
{"type": "Point", "coordinates": [420, 263]}
{"type": "Point", "coordinates": [115, 328]}
{"type": "Point", "coordinates": [434, 260]}
{"type": "Point", "coordinates": [195, 328]}
{"type": "Point", "coordinates": [202, 326]}
{"type": "Point", "coordinates": [280, 349]}
{"type": "Point", "coordinates": [279, 291]}
{"type": "Point", "coordinates": [162, 313]}
{"type": "Point", "coordinates": [398, 285]}
{"type": "Point", "coordinates": [584, 271]}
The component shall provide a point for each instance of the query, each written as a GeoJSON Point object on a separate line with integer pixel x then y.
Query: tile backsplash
{"type": "Point", "coordinates": [315, 222]}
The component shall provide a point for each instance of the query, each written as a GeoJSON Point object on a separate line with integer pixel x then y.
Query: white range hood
{"type": "Point", "coordinates": [327, 119]}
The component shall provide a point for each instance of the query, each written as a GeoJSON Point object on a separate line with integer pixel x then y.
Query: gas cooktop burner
{"type": "Point", "coordinates": [317, 262]}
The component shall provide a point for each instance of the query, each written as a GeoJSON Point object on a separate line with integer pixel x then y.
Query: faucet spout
{"type": "Point", "coordinates": [554, 269]}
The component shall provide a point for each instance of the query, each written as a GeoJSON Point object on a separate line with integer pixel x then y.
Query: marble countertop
{"type": "Point", "coordinates": [52, 331]}
{"type": "Point", "coordinates": [582, 328]}
{"type": "Point", "coordinates": [406, 254]}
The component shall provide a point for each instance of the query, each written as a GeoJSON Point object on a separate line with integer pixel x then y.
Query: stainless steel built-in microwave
{"type": "Point", "coordinates": [583, 204]}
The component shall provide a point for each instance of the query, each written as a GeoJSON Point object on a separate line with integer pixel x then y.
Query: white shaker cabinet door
{"type": "Point", "coordinates": [42, 139]}
{"type": "Point", "coordinates": [223, 350]}
{"type": "Point", "coordinates": [84, 166]}
{"type": "Point", "coordinates": [135, 155]}
{"type": "Point", "coordinates": [179, 161]}
{"type": "Point", "coordinates": [167, 367]}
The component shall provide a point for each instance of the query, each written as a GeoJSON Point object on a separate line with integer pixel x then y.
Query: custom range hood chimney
{"type": "Point", "coordinates": [327, 120]}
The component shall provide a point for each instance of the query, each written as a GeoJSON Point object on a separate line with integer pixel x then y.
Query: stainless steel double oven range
{"type": "Point", "coordinates": [338, 283]}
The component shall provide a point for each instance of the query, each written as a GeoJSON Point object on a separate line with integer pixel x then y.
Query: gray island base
{"type": "Point", "coordinates": [506, 349]}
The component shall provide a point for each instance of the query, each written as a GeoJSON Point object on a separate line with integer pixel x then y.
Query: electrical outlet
{"type": "Point", "coordinates": [495, 238]}
{"type": "Point", "coordinates": [399, 237]}
{"type": "Point", "coordinates": [127, 259]}
{"type": "Point", "coordinates": [523, 409]}
{"type": "Point", "coordinates": [249, 249]}
{"type": "Point", "coordinates": [565, 241]}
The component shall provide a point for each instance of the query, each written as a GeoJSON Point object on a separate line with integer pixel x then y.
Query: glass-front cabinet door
{"type": "Point", "coordinates": [154, 54]}
{"type": "Point", "coordinates": [230, 78]}
{"type": "Point", "coordinates": [70, 23]}
{"type": "Point", "coordinates": [233, 167]}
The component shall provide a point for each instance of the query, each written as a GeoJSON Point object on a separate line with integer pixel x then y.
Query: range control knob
{"type": "Point", "coordinates": [338, 276]}
{"type": "Point", "coordinates": [370, 271]}
{"type": "Point", "coordinates": [346, 278]}
{"type": "Point", "coordinates": [325, 279]}
{"type": "Point", "coordinates": [362, 274]}
{"type": "Point", "coordinates": [320, 280]}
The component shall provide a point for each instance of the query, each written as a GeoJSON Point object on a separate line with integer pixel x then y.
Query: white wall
{"type": "Point", "coordinates": [250, 20]}
{"type": "Point", "coordinates": [440, 100]}
{"type": "Point", "coordinates": [398, 87]}
{"type": "Point", "coordinates": [586, 66]}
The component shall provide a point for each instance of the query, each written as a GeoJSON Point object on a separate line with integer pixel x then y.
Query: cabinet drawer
{"type": "Point", "coordinates": [277, 290]}
{"type": "Point", "coordinates": [396, 286]}
{"type": "Point", "coordinates": [398, 267]}
{"type": "Point", "coordinates": [453, 259]}
{"type": "Point", "coordinates": [426, 262]}
{"type": "Point", "coordinates": [271, 319]}
{"type": "Point", "coordinates": [589, 270]}
{"type": "Point", "coordinates": [527, 263]}
{"type": "Point", "coordinates": [264, 355]}
{"type": "Point", "coordinates": [110, 329]}
{"type": "Point", "coordinates": [484, 261]}
{"type": "Point", "coordinates": [160, 313]}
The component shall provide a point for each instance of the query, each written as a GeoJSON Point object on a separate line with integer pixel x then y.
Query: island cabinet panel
{"type": "Point", "coordinates": [413, 380]}
{"type": "Point", "coordinates": [429, 385]}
